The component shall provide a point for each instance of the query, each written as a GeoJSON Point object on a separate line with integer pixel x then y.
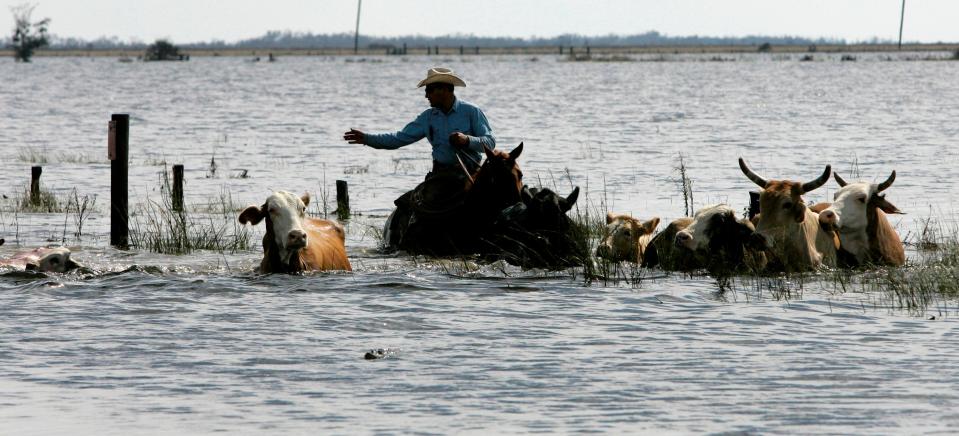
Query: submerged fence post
{"type": "Point", "coordinates": [342, 200]}
{"type": "Point", "coordinates": [35, 184]}
{"type": "Point", "coordinates": [177, 194]}
{"type": "Point", "coordinates": [119, 153]}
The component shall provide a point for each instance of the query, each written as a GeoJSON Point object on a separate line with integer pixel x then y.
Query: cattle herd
{"type": "Point", "coordinates": [785, 236]}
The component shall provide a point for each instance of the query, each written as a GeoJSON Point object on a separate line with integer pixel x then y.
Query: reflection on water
{"type": "Point", "coordinates": [199, 343]}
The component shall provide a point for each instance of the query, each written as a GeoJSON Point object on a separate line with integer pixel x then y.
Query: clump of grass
{"type": "Point", "coordinates": [45, 202]}
{"type": "Point", "coordinates": [685, 185]}
{"type": "Point", "coordinates": [161, 229]}
{"type": "Point", "coordinates": [81, 208]}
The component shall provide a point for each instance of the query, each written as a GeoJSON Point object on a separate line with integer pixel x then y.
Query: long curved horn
{"type": "Point", "coordinates": [840, 180]}
{"type": "Point", "coordinates": [882, 186]}
{"type": "Point", "coordinates": [756, 178]}
{"type": "Point", "coordinates": [809, 186]}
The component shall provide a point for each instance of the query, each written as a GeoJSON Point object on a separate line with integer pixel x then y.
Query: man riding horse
{"type": "Point", "coordinates": [458, 131]}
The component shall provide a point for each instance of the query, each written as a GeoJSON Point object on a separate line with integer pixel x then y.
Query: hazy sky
{"type": "Point", "coordinates": [230, 20]}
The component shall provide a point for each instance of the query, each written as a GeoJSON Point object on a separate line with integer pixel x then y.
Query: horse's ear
{"type": "Point", "coordinates": [567, 203]}
{"type": "Point", "coordinates": [489, 151]}
{"type": "Point", "coordinates": [513, 155]}
{"type": "Point", "coordinates": [305, 198]}
{"type": "Point", "coordinates": [252, 214]}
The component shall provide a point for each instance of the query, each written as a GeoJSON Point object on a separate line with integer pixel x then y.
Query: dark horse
{"type": "Point", "coordinates": [448, 214]}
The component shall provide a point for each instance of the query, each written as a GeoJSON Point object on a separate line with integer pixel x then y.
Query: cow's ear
{"type": "Point", "coordinates": [567, 203]}
{"type": "Point", "coordinates": [252, 214]}
{"type": "Point", "coordinates": [610, 217]}
{"type": "Point", "coordinates": [650, 226]}
{"type": "Point", "coordinates": [305, 198]}
{"type": "Point", "coordinates": [885, 205]}
{"type": "Point", "coordinates": [32, 266]}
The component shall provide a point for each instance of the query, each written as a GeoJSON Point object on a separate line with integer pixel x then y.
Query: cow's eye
{"type": "Point", "coordinates": [54, 261]}
{"type": "Point", "coordinates": [787, 206]}
{"type": "Point", "coordinates": [862, 200]}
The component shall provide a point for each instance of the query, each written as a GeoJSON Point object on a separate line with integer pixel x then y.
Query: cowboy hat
{"type": "Point", "coordinates": [441, 75]}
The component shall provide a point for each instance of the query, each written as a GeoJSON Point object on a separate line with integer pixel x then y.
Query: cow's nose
{"type": "Point", "coordinates": [602, 251]}
{"type": "Point", "coordinates": [297, 238]}
{"type": "Point", "coordinates": [684, 239]}
{"type": "Point", "coordinates": [828, 217]}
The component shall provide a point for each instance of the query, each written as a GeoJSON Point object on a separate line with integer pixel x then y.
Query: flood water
{"type": "Point", "coordinates": [198, 343]}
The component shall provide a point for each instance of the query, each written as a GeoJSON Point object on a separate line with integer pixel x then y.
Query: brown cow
{"type": "Point", "coordinates": [626, 238]}
{"type": "Point", "coordinates": [293, 242]}
{"type": "Point", "coordinates": [858, 214]}
{"type": "Point", "coordinates": [663, 252]}
{"type": "Point", "coordinates": [791, 229]}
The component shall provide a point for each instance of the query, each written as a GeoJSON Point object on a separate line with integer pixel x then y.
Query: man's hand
{"type": "Point", "coordinates": [459, 140]}
{"type": "Point", "coordinates": [355, 137]}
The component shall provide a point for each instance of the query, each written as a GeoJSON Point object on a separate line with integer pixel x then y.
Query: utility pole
{"type": "Point", "coordinates": [902, 17]}
{"type": "Point", "coordinates": [356, 36]}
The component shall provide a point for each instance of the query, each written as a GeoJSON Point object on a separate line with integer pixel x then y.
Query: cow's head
{"type": "Point", "coordinates": [851, 203]}
{"type": "Point", "coordinates": [781, 200]}
{"type": "Point", "coordinates": [623, 233]}
{"type": "Point", "coordinates": [284, 214]}
{"type": "Point", "coordinates": [55, 259]}
{"type": "Point", "coordinates": [716, 228]}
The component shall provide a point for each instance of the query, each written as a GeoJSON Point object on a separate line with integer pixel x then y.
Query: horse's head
{"type": "Point", "coordinates": [499, 181]}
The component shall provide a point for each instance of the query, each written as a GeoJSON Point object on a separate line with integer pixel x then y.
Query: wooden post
{"type": "Point", "coordinates": [476, 50]}
{"type": "Point", "coordinates": [35, 185]}
{"type": "Point", "coordinates": [753, 204]}
{"type": "Point", "coordinates": [342, 200]}
{"type": "Point", "coordinates": [177, 194]}
{"type": "Point", "coordinates": [461, 50]}
{"type": "Point", "coordinates": [436, 49]}
{"type": "Point", "coordinates": [119, 142]}
{"type": "Point", "coordinates": [560, 49]}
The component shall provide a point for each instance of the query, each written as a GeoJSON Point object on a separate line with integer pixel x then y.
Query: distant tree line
{"type": "Point", "coordinates": [291, 40]}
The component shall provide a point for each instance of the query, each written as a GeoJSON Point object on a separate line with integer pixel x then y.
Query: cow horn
{"type": "Point", "coordinates": [809, 186]}
{"type": "Point", "coordinates": [756, 178]}
{"type": "Point", "coordinates": [884, 185]}
{"type": "Point", "coordinates": [842, 182]}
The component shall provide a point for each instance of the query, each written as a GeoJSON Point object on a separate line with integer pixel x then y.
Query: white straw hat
{"type": "Point", "coordinates": [441, 75]}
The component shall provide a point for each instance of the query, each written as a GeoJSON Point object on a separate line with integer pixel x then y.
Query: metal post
{"type": "Point", "coordinates": [356, 36]}
{"type": "Point", "coordinates": [902, 17]}
{"type": "Point", "coordinates": [119, 169]}
{"type": "Point", "coordinates": [342, 200]}
{"type": "Point", "coordinates": [35, 185]}
{"type": "Point", "coordinates": [177, 194]}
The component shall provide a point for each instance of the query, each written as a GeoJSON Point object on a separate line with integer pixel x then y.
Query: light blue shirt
{"type": "Point", "coordinates": [436, 127]}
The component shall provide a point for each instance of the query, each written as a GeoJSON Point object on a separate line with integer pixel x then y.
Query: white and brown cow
{"type": "Point", "coordinates": [791, 229]}
{"type": "Point", "coordinates": [722, 243]}
{"type": "Point", "coordinates": [858, 214]}
{"type": "Point", "coordinates": [44, 259]}
{"type": "Point", "coordinates": [626, 238]}
{"type": "Point", "coordinates": [294, 242]}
